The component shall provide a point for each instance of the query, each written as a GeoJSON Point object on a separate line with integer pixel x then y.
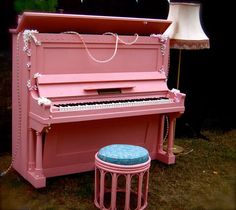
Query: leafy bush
{"type": "Point", "coordinates": [35, 5]}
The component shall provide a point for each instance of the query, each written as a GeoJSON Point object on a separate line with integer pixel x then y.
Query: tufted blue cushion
{"type": "Point", "coordinates": [123, 154]}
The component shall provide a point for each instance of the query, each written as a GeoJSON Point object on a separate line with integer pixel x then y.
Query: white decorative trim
{"type": "Point", "coordinates": [36, 75]}
{"type": "Point", "coordinates": [29, 35]}
{"type": "Point", "coordinates": [44, 101]}
{"type": "Point", "coordinates": [176, 92]}
{"type": "Point", "coordinates": [163, 40]}
{"type": "Point", "coordinates": [30, 86]}
{"type": "Point", "coordinates": [162, 70]}
{"type": "Point", "coordinates": [28, 65]}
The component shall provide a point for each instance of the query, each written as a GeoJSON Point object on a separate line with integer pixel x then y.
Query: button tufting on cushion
{"type": "Point", "coordinates": [123, 154]}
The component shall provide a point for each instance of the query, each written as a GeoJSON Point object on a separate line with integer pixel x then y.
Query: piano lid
{"type": "Point", "coordinates": [89, 24]}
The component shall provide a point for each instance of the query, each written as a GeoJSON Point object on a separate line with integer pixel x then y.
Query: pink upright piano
{"type": "Point", "coordinates": [82, 82]}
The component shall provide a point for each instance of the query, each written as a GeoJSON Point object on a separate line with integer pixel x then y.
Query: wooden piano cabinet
{"type": "Point", "coordinates": [70, 147]}
{"type": "Point", "coordinates": [67, 105]}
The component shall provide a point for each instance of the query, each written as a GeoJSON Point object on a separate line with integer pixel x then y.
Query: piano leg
{"type": "Point", "coordinates": [167, 157]}
{"type": "Point", "coordinates": [31, 162]}
{"type": "Point", "coordinates": [36, 176]}
{"type": "Point", "coordinates": [170, 139]}
{"type": "Point", "coordinates": [39, 152]}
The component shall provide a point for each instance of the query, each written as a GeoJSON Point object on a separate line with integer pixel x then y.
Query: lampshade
{"type": "Point", "coordinates": [186, 31]}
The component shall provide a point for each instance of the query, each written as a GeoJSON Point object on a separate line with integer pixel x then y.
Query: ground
{"type": "Point", "coordinates": [203, 178]}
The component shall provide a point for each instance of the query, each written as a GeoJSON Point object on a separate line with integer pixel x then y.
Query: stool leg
{"type": "Point", "coordinates": [113, 191]}
{"type": "Point", "coordinates": [101, 197]}
{"type": "Point", "coordinates": [146, 188]}
{"type": "Point", "coordinates": [127, 191]}
{"type": "Point", "coordinates": [140, 185]}
{"type": "Point", "coordinates": [96, 189]}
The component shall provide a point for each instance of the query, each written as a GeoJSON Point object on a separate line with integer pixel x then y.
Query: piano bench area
{"type": "Point", "coordinates": [121, 177]}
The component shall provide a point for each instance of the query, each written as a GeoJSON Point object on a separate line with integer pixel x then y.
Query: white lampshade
{"type": "Point", "coordinates": [186, 31]}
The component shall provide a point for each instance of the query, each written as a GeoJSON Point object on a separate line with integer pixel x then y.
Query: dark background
{"type": "Point", "coordinates": [206, 75]}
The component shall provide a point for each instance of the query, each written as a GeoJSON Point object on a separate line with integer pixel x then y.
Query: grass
{"type": "Point", "coordinates": [203, 179]}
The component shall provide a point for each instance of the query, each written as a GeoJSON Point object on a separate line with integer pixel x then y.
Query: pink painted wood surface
{"type": "Point", "coordinates": [90, 23]}
{"type": "Point", "coordinates": [50, 143]}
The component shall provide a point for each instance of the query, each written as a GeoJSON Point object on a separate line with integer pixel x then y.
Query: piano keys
{"type": "Point", "coordinates": [67, 104]}
{"type": "Point", "coordinates": [110, 104]}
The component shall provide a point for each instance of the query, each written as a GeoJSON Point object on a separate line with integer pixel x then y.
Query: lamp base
{"type": "Point", "coordinates": [176, 149]}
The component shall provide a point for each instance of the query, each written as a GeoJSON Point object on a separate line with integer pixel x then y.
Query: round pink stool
{"type": "Point", "coordinates": [121, 178]}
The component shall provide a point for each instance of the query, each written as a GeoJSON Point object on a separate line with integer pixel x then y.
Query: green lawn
{"type": "Point", "coordinates": [203, 178]}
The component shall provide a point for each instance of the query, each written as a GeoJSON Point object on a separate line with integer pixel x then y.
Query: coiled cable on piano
{"type": "Point", "coordinates": [166, 135]}
{"type": "Point", "coordinates": [107, 33]}
{"type": "Point", "coordinates": [167, 128]}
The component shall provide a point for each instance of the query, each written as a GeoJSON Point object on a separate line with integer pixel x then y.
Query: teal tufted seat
{"type": "Point", "coordinates": [123, 154]}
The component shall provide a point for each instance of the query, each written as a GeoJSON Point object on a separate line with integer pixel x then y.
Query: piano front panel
{"type": "Point", "coordinates": [72, 146]}
{"type": "Point", "coordinates": [92, 89]}
{"type": "Point", "coordinates": [57, 56]}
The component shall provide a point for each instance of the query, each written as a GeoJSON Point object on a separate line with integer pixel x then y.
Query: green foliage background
{"type": "Point", "coordinates": [35, 5]}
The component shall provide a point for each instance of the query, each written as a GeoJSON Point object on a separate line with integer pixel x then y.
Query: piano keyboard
{"type": "Point", "coordinates": [112, 104]}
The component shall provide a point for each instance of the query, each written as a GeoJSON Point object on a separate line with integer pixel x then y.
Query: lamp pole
{"type": "Point", "coordinates": [178, 72]}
